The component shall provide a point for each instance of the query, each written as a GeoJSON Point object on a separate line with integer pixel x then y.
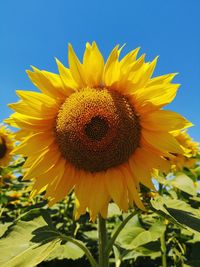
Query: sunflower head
{"type": "Point", "coordinates": [6, 145]}
{"type": "Point", "coordinates": [98, 128]}
{"type": "Point", "coordinates": [190, 151]}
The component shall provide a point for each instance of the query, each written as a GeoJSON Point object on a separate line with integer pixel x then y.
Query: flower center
{"type": "Point", "coordinates": [97, 129]}
{"type": "Point", "coordinates": [3, 147]}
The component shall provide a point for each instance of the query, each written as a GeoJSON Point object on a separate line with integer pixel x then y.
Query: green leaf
{"type": "Point", "coordinates": [178, 212]}
{"type": "Point", "coordinates": [184, 183]}
{"type": "Point", "coordinates": [66, 251]}
{"type": "Point", "coordinates": [145, 237]}
{"type": "Point", "coordinates": [185, 218]}
{"type": "Point", "coordinates": [118, 257]}
{"type": "Point", "coordinates": [33, 239]}
{"type": "Point", "coordinates": [132, 229]}
{"type": "Point", "coordinates": [113, 210]}
{"type": "Point", "coordinates": [46, 216]}
{"type": "Point", "coordinates": [195, 199]}
{"type": "Point", "coordinates": [3, 228]}
{"type": "Point", "coordinates": [133, 237]}
{"type": "Point", "coordinates": [127, 237]}
{"type": "Point", "coordinates": [196, 238]}
{"type": "Point", "coordinates": [93, 234]}
{"type": "Point", "coordinates": [30, 215]}
{"type": "Point", "coordinates": [44, 235]}
{"type": "Point", "coordinates": [161, 202]}
{"type": "Point", "coordinates": [17, 249]}
{"type": "Point", "coordinates": [142, 252]}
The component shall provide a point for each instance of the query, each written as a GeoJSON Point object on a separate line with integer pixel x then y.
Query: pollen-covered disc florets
{"type": "Point", "coordinates": [97, 129]}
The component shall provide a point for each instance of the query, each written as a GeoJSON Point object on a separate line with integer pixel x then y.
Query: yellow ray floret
{"type": "Point", "coordinates": [97, 128]}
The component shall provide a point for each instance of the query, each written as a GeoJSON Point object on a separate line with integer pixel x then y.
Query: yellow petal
{"type": "Point", "coordinates": [143, 75]}
{"type": "Point", "coordinates": [104, 210]}
{"type": "Point", "coordinates": [34, 144]}
{"type": "Point", "coordinates": [115, 186]}
{"type": "Point", "coordinates": [34, 109]}
{"type": "Point", "coordinates": [164, 79]}
{"type": "Point", "coordinates": [76, 68]}
{"type": "Point", "coordinates": [45, 161]}
{"type": "Point", "coordinates": [29, 161]}
{"type": "Point", "coordinates": [30, 123]}
{"type": "Point", "coordinates": [148, 72]}
{"type": "Point", "coordinates": [49, 83]}
{"type": "Point", "coordinates": [111, 69]}
{"type": "Point", "coordinates": [82, 191]}
{"type": "Point", "coordinates": [23, 108]}
{"type": "Point", "coordinates": [64, 185]}
{"type": "Point", "coordinates": [133, 192]}
{"type": "Point", "coordinates": [21, 134]}
{"type": "Point", "coordinates": [162, 141]}
{"type": "Point", "coordinates": [140, 171]}
{"type": "Point", "coordinates": [164, 120]}
{"type": "Point", "coordinates": [49, 178]}
{"type": "Point", "coordinates": [35, 104]}
{"type": "Point", "coordinates": [53, 187]}
{"type": "Point", "coordinates": [129, 59]}
{"type": "Point", "coordinates": [32, 98]}
{"type": "Point", "coordinates": [134, 70]}
{"type": "Point", "coordinates": [98, 195]}
{"type": "Point", "coordinates": [93, 64]}
{"type": "Point", "coordinates": [152, 160]}
{"type": "Point", "coordinates": [66, 77]}
{"type": "Point", "coordinates": [128, 77]}
{"type": "Point", "coordinates": [157, 95]}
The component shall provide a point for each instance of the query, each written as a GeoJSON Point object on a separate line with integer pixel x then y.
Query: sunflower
{"type": "Point", "coordinates": [97, 128]}
{"type": "Point", "coordinates": [6, 145]}
{"type": "Point", "coordinates": [190, 151]}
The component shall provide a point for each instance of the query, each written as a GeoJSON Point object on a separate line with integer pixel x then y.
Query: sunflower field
{"type": "Point", "coordinates": [96, 171]}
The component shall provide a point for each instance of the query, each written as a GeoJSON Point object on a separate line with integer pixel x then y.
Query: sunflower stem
{"type": "Point", "coordinates": [83, 247]}
{"type": "Point", "coordinates": [116, 233]}
{"type": "Point", "coordinates": [163, 250]}
{"type": "Point", "coordinates": [102, 232]}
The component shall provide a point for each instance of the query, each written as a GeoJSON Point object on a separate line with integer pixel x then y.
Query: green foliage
{"type": "Point", "coordinates": [18, 249]}
{"type": "Point", "coordinates": [134, 235]}
{"type": "Point", "coordinates": [185, 184]}
{"type": "Point", "coordinates": [32, 234]}
{"type": "Point", "coordinates": [28, 242]}
{"type": "Point", "coordinates": [178, 212]}
{"type": "Point", "coordinates": [66, 251]}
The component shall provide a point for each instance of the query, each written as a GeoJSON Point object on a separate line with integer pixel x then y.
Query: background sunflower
{"type": "Point", "coordinates": [191, 150]}
{"type": "Point", "coordinates": [6, 145]}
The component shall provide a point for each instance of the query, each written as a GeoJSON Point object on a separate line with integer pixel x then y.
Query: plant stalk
{"type": "Point", "coordinates": [103, 239]}
{"type": "Point", "coordinates": [163, 250]}
{"type": "Point", "coordinates": [83, 247]}
{"type": "Point", "coordinates": [119, 229]}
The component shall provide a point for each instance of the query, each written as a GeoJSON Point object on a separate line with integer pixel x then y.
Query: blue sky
{"type": "Point", "coordinates": [34, 32]}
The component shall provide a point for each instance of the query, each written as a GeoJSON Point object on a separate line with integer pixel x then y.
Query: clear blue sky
{"type": "Point", "coordinates": [34, 32]}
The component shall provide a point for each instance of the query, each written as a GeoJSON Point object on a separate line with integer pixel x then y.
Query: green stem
{"type": "Point", "coordinates": [163, 250]}
{"type": "Point", "coordinates": [115, 235]}
{"type": "Point", "coordinates": [84, 248]}
{"type": "Point", "coordinates": [1, 210]}
{"type": "Point", "coordinates": [102, 232]}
